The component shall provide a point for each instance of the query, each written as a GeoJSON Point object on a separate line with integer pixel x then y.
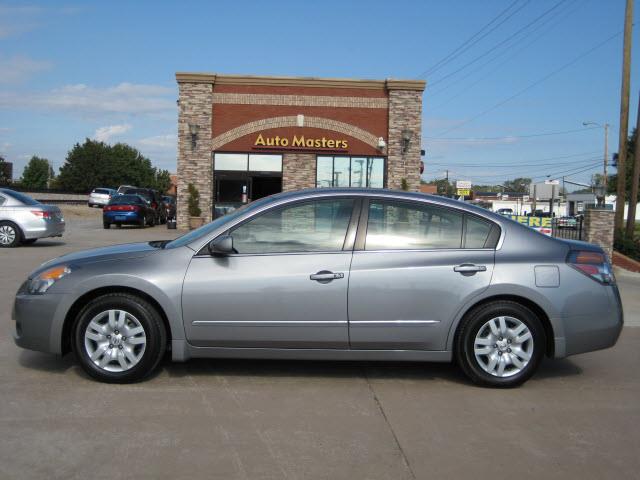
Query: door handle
{"type": "Point", "coordinates": [325, 276]}
{"type": "Point", "coordinates": [469, 268]}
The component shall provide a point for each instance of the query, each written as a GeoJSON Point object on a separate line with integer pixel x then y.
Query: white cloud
{"type": "Point", "coordinates": [19, 68]}
{"type": "Point", "coordinates": [6, 146]}
{"type": "Point", "coordinates": [125, 97]}
{"type": "Point", "coordinates": [160, 142]}
{"type": "Point", "coordinates": [104, 134]}
{"type": "Point", "coordinates": [17, 19]}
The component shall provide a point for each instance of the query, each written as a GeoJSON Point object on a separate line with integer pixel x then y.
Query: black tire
{"type": "Point", "coordinates": [149, 319]}
{"type": "Point", "coordinates": [152, 221]}
{"type": "Point", "coordinates": [106, 225]}
{"type": "Point", "coordinates": [471, 325]}
{"type": "Point", "coordinates": [8, 228]}
{"type": "Point", "coordinates": [29, 241]}
{"type": "Point", "coordinates": [118, 225]}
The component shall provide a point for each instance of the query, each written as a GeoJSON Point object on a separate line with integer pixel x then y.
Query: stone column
{"type": "Point", "coordinates": [195, 164]}
{"type": "Point", "coordinates": [405, 112]}
{"type": "Point", "coordinates": [298, 171]}
{"type": "Point", "coordinates": [598, 228]}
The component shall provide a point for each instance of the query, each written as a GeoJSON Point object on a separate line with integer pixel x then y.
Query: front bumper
{"type": "Point", "coordinates": [37, 326]}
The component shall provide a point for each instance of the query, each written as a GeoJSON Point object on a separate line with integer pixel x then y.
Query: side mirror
{"type": "Point", "coordinates": [221, 246]}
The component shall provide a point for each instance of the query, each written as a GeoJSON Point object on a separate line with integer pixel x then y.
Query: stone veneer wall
{"type": "Point", "coordinates": [298, 171]}
{"type": "Point", "coordinates": [195, 165]}
{"type": "Point", "coordinates": [598, 228]}
{"type": "Point", "coordinates": [405, 112]}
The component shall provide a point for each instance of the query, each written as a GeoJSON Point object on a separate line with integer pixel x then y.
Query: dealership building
{"type": "Point", "coordinates": [241, 138]}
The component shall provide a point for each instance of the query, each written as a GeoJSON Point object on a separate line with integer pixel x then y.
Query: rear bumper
{"type": "Point", "coordinates": [122, 217]}
{"type": "Point", "coordinates": [589, 332]}
{"type": "Point", "coordinates": [44, 229]}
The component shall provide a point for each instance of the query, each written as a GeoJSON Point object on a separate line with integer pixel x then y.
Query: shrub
{"type": "Point", "coordinates": [194, 201]}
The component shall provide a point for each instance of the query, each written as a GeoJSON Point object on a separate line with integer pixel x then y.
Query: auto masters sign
{"type": "Point", "coordinates": [300, 141]}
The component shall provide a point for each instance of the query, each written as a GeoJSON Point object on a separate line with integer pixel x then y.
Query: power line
{"type": "Point", "coordinates": [534, 84]}
{"type": "Point", "coordinates": [528, 160]}
{"type": "Point", "coordinates": [553, 172]}
{"type": "Point", "coordinates": [499, 44]}
{"type": "Point", "coordinates": [509, 137]}
{"type": "Point", "coordinates": [562, 15]}
{"type": "Point", "coordinates": [513, 165]}
{"type": "Point", "coordinates": [466, 45]}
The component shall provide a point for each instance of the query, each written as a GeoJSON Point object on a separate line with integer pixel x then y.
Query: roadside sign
{"type": "Point", "coordinates": [525, 198]}
{"type": "Point", "coordinates": [464, 192]}
{"type": "Point", "coordinates": [463, 184]}
{"type": "Point", "coordinates": [552, 182]}
{"type": "Point", "coordinates": [540, 224]}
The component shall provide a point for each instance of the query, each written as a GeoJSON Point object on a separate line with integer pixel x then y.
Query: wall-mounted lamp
{"type": "Point", "coordinates": [407, 135]}
{"type": "Point", "coordinates": [381, 143]}
{"type": "Point", "coordinates": [193, 130]}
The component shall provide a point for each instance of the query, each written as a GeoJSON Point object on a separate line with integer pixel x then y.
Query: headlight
{"type": "Point", "coordinates": [41, 282]}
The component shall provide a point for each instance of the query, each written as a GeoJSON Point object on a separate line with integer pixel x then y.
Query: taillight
{"type": "Point", "coordinates": [121, 208]}
{"type": "Point", "coordinates": [154, 205]}
{"type": "Point", "coordinates": [42, 214]}
{"type": "Point", "coordinates": [592, 264]}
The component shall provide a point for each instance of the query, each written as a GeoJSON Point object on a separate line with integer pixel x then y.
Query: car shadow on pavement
{"type": "Point", "coordinates": [44, 244]}
{"type": "Point", "coordinates": [407, 371]}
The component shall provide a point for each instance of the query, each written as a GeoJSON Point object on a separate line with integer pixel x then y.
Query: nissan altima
{"type": "Point", "coordinates": [336, 274]}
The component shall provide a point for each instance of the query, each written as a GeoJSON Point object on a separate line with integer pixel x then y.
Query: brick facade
{"type": "Point", "coordinates": [231, 111]}
{"type": "Point", "coordinates": [598, 228]}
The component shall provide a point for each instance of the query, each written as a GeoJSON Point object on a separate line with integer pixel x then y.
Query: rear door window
{"type": "Point", "coordinates": [412, 226]}
{"type": "Point", "coordinates": [477, 232]}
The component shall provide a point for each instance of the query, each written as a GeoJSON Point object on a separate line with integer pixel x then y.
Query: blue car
{"type": "Point", "coordinates": [128, 210]}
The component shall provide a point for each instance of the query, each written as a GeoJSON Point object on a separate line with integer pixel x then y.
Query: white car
{"type": "Point", "coordinates": [99, 197]}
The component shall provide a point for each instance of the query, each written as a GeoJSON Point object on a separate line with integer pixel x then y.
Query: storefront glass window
{"type": "Point", "coordinates": [324, 176]}
{"type": "Point", "coordinates": [265, 163]}
{"type": "Point", "coordinates": [341, 170]}
{"type": "Point", "coordinates": [230, 161]}
{"type": "Point", "coordinates": [350, 172]}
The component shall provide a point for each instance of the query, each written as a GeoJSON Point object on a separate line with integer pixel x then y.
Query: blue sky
{"type": "Point", "coordinates": [105, 70]}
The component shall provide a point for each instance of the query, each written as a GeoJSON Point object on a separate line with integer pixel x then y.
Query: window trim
{"type": "Point", "coordinates": [347, 245]}
{"type": "Point", "coordinates": [495, 232]}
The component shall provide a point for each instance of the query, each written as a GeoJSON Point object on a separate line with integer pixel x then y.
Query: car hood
{"type": "Point", "coordinates": [112, 252]}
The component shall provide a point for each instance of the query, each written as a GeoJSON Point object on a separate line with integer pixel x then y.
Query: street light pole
{"type": "Point", "coordinates": [605, 180]}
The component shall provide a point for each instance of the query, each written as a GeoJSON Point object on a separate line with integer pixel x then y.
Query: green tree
{"type": "Point", "coordinates": [517, 185]}
{"type": "Point", "coordinates": [162, 181]}
{"type": "Point", "coordinates": [37, 173]}
{"type": "Point", "coordinates": [4, 179]}
{"type": "Point", "coordinates": [96, 164]}
{"type": "Point", "coordinates": [443, 185]}
{"type": "Point", "coordinates": [613, 179]}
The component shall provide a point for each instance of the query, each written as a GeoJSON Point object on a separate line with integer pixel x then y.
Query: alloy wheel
{"type": "Point", "coordinates": [503, 346]}
{"type": "Point", "coordinates": [115, 340]}
{"type": "Point", "coordinates": [7, 234]}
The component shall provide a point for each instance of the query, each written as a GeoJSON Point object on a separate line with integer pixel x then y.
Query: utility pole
{"type": "Point", "coordinates": [633, 198]}
{"type": "Point", "coordinates": [605, 181]}
{"type": "Point", "coordinates": [624, 115]}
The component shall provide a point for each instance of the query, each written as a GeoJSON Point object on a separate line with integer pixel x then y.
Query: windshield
{"type": "Point", "coordinates": [204, 230]}
{"type": "Point", "coordinates": [20, 197]}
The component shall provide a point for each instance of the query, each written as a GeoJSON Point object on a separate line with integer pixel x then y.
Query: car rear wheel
{"type": "Point", "coordinates": [500, 344]}
{"type": "Point", "coordinates": [10, 235]}
{"type": "Point", "coordinates": [119, 338]}
{"type": "Point", "coordinates": [106, 225]}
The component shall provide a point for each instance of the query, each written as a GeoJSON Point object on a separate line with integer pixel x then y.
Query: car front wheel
{"type": "Point", "coordinates": [119, 338]}
{"type": "Point", "coordinates": [500, 344]}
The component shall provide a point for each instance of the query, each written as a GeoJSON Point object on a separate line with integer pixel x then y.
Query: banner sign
{"type": "Point", "coordinates": [463, 184]}
{"type": "Point", "coordinates": [464, 192]}
{"type": "Point", "coordinates": [540, 224]}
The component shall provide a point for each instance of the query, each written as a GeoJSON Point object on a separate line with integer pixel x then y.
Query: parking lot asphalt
{"type": "Point", "coordinates": [577, 418]}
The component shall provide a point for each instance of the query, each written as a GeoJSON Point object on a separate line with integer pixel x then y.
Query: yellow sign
{"type": "Point", "coordinates": [464, 192]}
{"type": "Point", "coordinates": [541, 224]}
{"type": "Point", "coordinates": [300, 141]}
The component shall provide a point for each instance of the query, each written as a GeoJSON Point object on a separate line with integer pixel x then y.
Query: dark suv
{"type": "Point", "coordinates": [154, 200]}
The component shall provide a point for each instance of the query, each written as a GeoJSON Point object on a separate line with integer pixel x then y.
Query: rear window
{"type": "Point", "coordinates": [125, 200]}
{"type": "Point", "coordinates": [477, 232]}
{"type": "Point", "coordinates": [22, 198]}
{"type": "Point", "coordinates": [101, 190]}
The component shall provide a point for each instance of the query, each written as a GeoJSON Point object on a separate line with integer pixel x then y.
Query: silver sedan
{"type": "Point", "coordinates": [25, 220]}
{"type": "Point", "coordinates": [335, 274]}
